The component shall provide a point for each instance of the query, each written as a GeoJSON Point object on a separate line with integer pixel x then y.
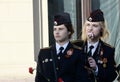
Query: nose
{"type": "Point", "coordinates": [56, 31]}
{"type": "Point", "coordinates": [90, 28]}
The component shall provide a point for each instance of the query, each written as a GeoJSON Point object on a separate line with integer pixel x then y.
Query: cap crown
{"type": "Point", "coordinates": [62, 18]}
{"type": "Point", "coordinates": [96, 16]}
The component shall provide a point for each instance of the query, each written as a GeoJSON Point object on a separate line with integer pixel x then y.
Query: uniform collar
{"type": "Point", "coordinates": [58, 46]}
{"type": "Point", "coordinates": [95, 46]}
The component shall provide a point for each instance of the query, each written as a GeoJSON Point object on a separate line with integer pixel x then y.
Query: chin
{"type": "Point", "coordinates": [58, 40]}
{"type": "Point", "coordinates": [90, 38]}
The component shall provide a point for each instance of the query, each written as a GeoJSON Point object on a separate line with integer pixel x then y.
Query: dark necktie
{"type": "Point", "coordinates": [61, 49]}
{"type": "Point", "coordinates": [90, 51]}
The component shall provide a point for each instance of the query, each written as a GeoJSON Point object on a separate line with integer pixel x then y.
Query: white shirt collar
{"type": "Point", "coordinates": [95, 46]}
{"type": "Point", "coordinates": [58, 46]}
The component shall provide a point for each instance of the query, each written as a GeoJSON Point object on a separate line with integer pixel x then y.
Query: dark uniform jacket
{"type": "Point", "coordinates": [104, 57]}
{"type": "Point", "coordinates": [68, 68]}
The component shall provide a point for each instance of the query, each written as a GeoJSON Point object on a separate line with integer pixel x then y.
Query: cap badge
{"type": "Point", "coordinates": [90, 19]}
{"type": "Point", "coordinates": [55, 23]}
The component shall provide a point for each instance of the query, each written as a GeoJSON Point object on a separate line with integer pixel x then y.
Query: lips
{"type": "Point", "coordinates": [90, 34]}
{"type": "Point", "coordinates": [57, 36]}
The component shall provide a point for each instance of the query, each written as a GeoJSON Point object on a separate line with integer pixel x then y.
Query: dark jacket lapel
{"type": "Point", "coordinates": [69, 46]}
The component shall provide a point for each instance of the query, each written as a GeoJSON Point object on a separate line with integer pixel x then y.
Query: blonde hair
{"type": "Point", "coordinates": [104, 34]}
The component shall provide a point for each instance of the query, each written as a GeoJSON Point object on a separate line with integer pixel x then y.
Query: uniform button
{"type": "Point", "coordinates": [43, 61]}
{"type": "Point", "coordinates": [50, 59]}
{"type": "Point", "coordinates": [59, 58]}
{"type": "Point", "coordinates": [48, 80]}
{"type": "Point", "coordinates": [57, 68]}
{"type": "Point", "coordinates": [46, 60]}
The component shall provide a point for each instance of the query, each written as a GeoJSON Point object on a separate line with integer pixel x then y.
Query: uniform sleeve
{"type": "Point", "coordinates": [39, 76]}
{"type": "Point", "coordinates": [38, 70]}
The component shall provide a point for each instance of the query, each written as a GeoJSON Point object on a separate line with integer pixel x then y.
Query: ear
{"type": "Point", "coordinates": [69, 32]}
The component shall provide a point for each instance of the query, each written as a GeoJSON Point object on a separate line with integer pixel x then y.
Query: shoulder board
{"type": "Point", "coordinates": [75, 41]}
{"type": "Point", "coordinates": [77, 47]}
{"type": "Point", "coordinates": [79, 43]}
{"type": "Point", "coordinates": [108, 45]}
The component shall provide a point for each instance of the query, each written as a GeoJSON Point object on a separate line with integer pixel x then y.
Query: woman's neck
{"type": "Point", "coordinates": [62, 43]}
{"type": "Point", "coordinates": [93, 41]}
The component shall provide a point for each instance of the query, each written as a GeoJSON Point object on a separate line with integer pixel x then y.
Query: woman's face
{"type": "Point", "coordinates": [61, 34]}
{"type": "Point", "coordinates": [93, 30]}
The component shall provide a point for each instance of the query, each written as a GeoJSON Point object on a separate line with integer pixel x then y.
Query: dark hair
{"type": "Point", "coordinates": [70, 29]}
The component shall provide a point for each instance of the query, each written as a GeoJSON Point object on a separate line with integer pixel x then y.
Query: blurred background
{"type": "Point", "coordinates": [16, 40]}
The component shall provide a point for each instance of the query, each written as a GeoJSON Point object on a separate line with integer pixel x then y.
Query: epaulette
{"type": "Point", "coordinates": [77, 47]}
{"type": "Point", "coordinates": [108, 45]}
{"type": "Point", "coordinates": [79, 43]}
{"type": "Point", "coordinates": [75, 41]}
